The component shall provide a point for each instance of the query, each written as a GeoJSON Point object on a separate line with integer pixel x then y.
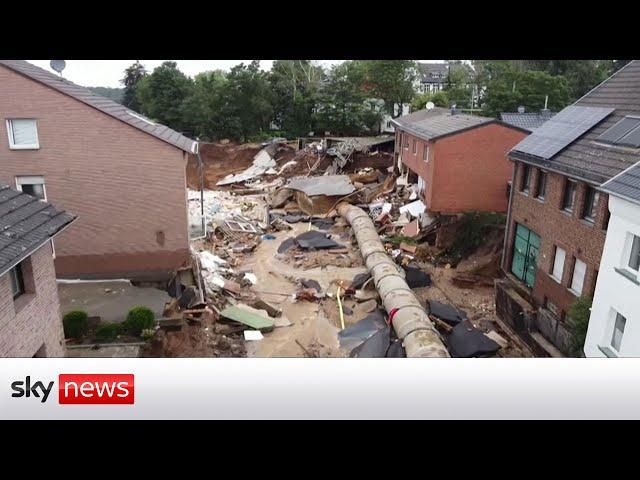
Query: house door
{"type": "Point", "coordinates": [525, 255]}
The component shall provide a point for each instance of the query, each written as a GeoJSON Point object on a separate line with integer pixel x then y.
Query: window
{"type": "Point", "coordinates": [634, 255]}
{"type": "Point", "coordinates": [415, 147]}
{"type": "Point", "coordinates": [552, 307]}
{"type": "Point", "coordinates": [618, 331]}
{"type": "Point", "coordinates": [23, 134]}
{"type": "Point", "coordinates": [590, 208]}
{"type": "Point", "coordinates": [33, 186]}
{"type": "Point", "coordinates": [405, 141]}
{"type": "Point", "coordinates": [17, 281]}
{"type": "Point", "coordinates": [558, 264]}
{"type": "Point", "coordinates": [541, 184]}
{"type": "Point", "coordinates": [577, 281]}
{"type": "Point", "coordinates": [526, 179]}
{"type": "Point", "coordinates": [569, 194]}
{"type": "Point", "coordinates": [425, 153]}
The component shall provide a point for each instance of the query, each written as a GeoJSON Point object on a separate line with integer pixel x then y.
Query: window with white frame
{"type": "Point", "coordinates": [425, 153]}
{"type": "Point", "coordinates": [558, 264]}
{"type": "Point", "coordinates": [32, 185]}
{"type": "Point", "coordinates": [579, 272]}
{"type": "Point", "coordinates": [23, 133]}
{"type": "Point", "coordinates": [618, 331]}
{"type": "Point", "coordinates": [634, 253]}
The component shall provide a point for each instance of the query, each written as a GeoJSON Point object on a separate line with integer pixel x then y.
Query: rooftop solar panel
{"type": "Point", "coordinates": [619, 130]}
{"type": "Point", "coordinates": [561, 130]}
{"type": "Point", "coordinates": [631, 139]}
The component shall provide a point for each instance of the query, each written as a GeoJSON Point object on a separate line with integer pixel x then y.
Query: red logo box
{"type": "Point", "coordinates": [96, 389]}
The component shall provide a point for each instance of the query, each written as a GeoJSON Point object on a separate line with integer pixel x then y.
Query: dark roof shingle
{"type": "Point", "coordinates": [101, 103]}
{"type": "Point", "coordinates": [25, 224]}
{"type": "Point", "coordinates": [586, 158]}
{"type": "Point", "coordinates": [527, 120]}
{"type": "Point", "coordinates": [625, 185]}
{"type": "Point", "coordinates": [438, 122]}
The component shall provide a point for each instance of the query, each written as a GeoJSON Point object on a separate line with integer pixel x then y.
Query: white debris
{"type": "Point", "coordinates": [414, 208]}
{"type": "Point", "coordinates": [251, 277]}
{"type": "Point", "coordinates": [253, 335]}
{"type": "Point", "coordinates": [262, 163]}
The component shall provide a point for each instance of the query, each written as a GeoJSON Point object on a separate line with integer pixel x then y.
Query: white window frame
{"type": "Point", "coordinates": [13, 146]}
{"type": "Point", "coordinates": [626, 255]}
{"type": "Point", "coordinates": [31, 180]}
{"type": "Point", "coordinates": [558, 278]}
{"type": "Point", "coordinates": [573, 277]}
{"type": "Point", "coordinates": [612, 330]}
{"type": "Point", "coordinates": [425, 153]}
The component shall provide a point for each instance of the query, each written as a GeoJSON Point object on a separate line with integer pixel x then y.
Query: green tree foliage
{"type": "Point", "coordinates": [508, 87]}
{"type": "Point", "coordinates": [459, 85]}
{"type": "Point", "coordinates": [247, 106]}
{"type": "Point", "coordinates": [202, 109]}
{"type": "Point", "coordinates": [132, 75]}
{"type": "Point", "coordinates": [344, 106]}
{"type": "Point", "coordinates": [391, 81]}
{"type": "Point", "coordinates": [138, 319]}
{"type": "Point", "coordinates": [296, 86]}
{"type": "Point", "coordinates": [75, 324]}
{"type": "Point", "coordinates": [578, 323]}
{"type": "Point", "coordinates": [439, 99]}
{"type": "Point", "coordinates": [161, 95]}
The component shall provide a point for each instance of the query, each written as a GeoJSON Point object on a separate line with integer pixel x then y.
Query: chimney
{"type": "Point", "coordinates": [545, 113]}
{"type": "Point", "coordinates": [453, 109]}
{"type": "Point", "coordinates": [521, 109]}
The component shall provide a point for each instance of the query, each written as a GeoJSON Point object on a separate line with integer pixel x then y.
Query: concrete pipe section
{"type": "Point", "coordinates": [410, 322]}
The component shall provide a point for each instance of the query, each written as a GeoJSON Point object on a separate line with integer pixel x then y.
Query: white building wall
{"type": "Point", "coordinates": [615, 292]}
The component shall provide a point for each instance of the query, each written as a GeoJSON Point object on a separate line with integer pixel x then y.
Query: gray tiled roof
{"type": "Point", "coordinates": [427, 70]}
{"type": "Point", "coordinates": [625, 185]}
{"type": "Point", "coordinates": [527, 120]}
{"type": "Point", "coordinates": [25, 224]}
{"type": "Point", "coordinates": [101, 103]}
{"type": "Point", "coordinates": [438, 122]}
{"type": "Point", "coordinates": [585, 158]}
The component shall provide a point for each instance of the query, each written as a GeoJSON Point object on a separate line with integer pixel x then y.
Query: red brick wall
{"type": "Point", "coordinates": [467, 171]}
{"type": "Point", "coordinates": [33, 319]}
{"type": "Point", "coordinates": [124, 185]}
{"type": "Point", "coordinates": [556, 227]}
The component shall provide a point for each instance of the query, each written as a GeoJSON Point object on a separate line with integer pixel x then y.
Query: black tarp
{"type": "Point", "coordinates": [286, 245]}
{"type": "Point", "coordinates": [416, 278]}
{"type": "Point", "coordinates": [311, 284]}
{"type": "Point", "coordinates": [446, 313]}
{"type": "Point", "coordinates": [396, 350]}
{"type": "Point", "coordinates": [359, 280]}
{"type": "Point", "coordinates": [466, 341]}
{"type": "Point", "coordinates": [355, 334]}
{"type": "Point", "coordinates": [375, 346]}
{"type": "Point", "coordinates": [316, 240]}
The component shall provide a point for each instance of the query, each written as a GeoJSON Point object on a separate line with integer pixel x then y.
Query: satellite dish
{"type": "Point", "coordinates": [58, 65]}
{"type": "Point", "coordinates": [430, 105]}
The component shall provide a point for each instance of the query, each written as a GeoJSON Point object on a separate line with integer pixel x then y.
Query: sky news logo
{"type": "Point", "coordinates": [80, 389]}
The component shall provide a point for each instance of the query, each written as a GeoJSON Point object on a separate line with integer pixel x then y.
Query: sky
{"type": "Point", "coordinates": [107, 73]}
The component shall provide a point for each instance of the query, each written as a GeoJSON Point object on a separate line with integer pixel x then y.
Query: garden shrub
{"type": "Point", "coordinates": [139, 319]}
{"type": "Point", "coordinates": [108, 332]}
{"type": "Point", "coordinates": [578, 322]}
{"type": "Point", "coordinates": [75, 324]}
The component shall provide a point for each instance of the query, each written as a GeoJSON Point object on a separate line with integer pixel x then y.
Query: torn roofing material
{"type": "Point", "coordinates": [26, 223]}
{"type": "Point", "coordinates": [103, 104]}
{"type": "Point", "coordinates": [526, 120]}
{"type": "Point", "coordinates": [439, 122]}
{"type": "Point", "coordinates": [330, 185]}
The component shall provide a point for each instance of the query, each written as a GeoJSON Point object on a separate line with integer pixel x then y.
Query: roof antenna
{"type": "Point", "coordinates": [546, 99]}
{"type": "Point", "coordinates": [58, 66]}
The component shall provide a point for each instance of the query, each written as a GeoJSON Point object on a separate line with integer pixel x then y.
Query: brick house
{"type": "Point", "coordinates": [557, 220]}
{"type": "Point", "coordinates": [459, 161]}
{"type": "Point", "coordinates": [121, 173]}
{"type": "Point", "coordinates": [30, 322]}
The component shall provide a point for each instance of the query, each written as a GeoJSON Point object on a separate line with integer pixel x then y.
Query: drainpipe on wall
{"type": "Point", "coordinates": [201, 171]}
{"type": "Point", "coordinates": [506, 232]}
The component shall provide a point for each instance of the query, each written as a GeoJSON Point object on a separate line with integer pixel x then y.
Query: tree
{"type": "Point", "coordinates": [460, 84]}
{"type": "Point", "coordinates": [508, 87]}
{"type": "Point", "coordinates": [161, 95]}
{"type": "Point", "coordinates": [202, 109]}
{"type": "Point", "coordinates": [247, 108]}
{"type": "Point", "coordinates": [439, 99]}
{"type": "Point", "coordinates": [132, 75]}
{"type": "Point", "coordinates": [391, 81]}
{"type": "Point", "coordinates": [344, 107]}
{"type": "Point", "coordinates": [296, 88]}
{"type": "Point", "coordinates": [578, 324]}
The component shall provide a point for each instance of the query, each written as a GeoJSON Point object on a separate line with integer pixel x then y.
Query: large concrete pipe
{"type": "Point", "coordinates": [410, 322]}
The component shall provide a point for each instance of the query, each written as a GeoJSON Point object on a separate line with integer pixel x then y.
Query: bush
{"type": "Point", "coordinates": [108, 332]}
{"type": "Point", "coordinates": [474, 228]}
{"type": "Point", "coordinates": [578, 323]}
{"type": "Point", "coordinates": [75, 324]}
{"type": "Point", "coordinates": [139, 319]}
